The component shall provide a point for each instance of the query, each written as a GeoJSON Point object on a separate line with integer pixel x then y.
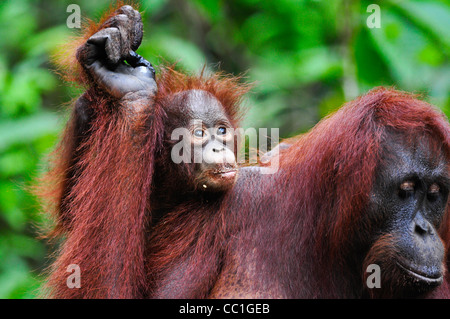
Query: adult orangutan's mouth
{"type": "Point", "coordinates": [430, 278]}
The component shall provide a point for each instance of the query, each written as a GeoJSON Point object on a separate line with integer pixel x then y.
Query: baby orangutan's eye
{"type": "Point", "coordinates": [199, 133]}
{"type": "Point", "coordinates": [222, 130]}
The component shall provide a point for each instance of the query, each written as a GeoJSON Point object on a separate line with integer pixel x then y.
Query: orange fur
{"type": "Point", "coordinates": [99, 190]}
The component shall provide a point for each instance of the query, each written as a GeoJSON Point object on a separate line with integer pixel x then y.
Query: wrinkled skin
{"type": "Point", "coordinates": [109, 56]}
{"type": "Point", "coordinates": [207, 142]}
{"type": "Point", "coordinates": [407, 206]}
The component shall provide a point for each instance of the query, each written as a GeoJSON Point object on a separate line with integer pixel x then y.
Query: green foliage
{"type": "Point", "coordinates": [306, 58]}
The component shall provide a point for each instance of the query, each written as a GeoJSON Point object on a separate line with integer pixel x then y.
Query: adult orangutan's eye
{"type": "Point", "coordinates": [407, 186]}
{"type": "Point", "coordinates": [434, 189]}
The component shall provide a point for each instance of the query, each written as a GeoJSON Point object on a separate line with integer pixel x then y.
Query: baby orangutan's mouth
{"type": "Point", "coordinates": [225, 172]}
{"type": "Point", "coordinates": [228, 174]}
{"type": "Point", "coordinates": [218, 178]}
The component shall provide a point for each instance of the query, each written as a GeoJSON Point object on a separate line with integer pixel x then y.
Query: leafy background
{"type": "Point", "coordinates": [305, 57]}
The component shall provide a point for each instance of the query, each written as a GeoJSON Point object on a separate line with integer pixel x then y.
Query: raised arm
{"type": "Point", "coordinates": [106, 162]}
{"type": "Point", "coordinates": [115, 76]}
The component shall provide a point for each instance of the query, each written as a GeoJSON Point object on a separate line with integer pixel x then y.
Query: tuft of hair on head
{"type": "Point", "coordinates": [228, 89]}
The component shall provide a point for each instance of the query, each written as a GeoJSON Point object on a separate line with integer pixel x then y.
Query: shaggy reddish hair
{"type": "Point", "coordinates": [298, 229]}
{"type": "Point", "coordinates": [227, 89]}
{"type": "Point", "coordinates": [326, 178]}
{"type": "Point", "coordinates": [101, 200]}
{"type": "Point", "coordinates": [342, 153]}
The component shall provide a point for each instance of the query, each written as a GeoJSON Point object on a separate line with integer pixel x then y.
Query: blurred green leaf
{"type": "Point", "coordinates": [174, 49]}
{"type": "Point", "coordinates": [432, 16]}
{"type": "Point", "coordinates": [28, 129]}
{"type": "Point", "coordinates": [402, 45]}
{"type": "Point", "coordinates": [47, 42]}
{"type": "Point", "coordinates": [15, 273]}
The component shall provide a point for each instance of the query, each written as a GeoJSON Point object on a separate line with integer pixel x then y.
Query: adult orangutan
{"type": "Point", "coordinates": [368, 185]}
{"type": "Point", "coordinates": [114, 174]}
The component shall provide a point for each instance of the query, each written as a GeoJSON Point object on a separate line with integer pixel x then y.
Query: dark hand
{"type": "Point", "coordinates": [105, 53]}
